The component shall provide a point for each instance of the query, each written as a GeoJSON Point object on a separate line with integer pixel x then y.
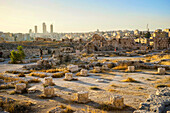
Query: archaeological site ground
{"type": "Point", "coordinates": [83, 77]}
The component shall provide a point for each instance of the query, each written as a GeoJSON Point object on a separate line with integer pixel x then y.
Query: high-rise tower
{"type": "Point", "coordinates": [30, 31]}
{"type": "Point", "coordinates": [147, 27]}
{"type": "Point", "coordinates": [44, 28]}
{"type": "Point", "coordinates": [51, 28]}
{"type": "Point", "coordinates": [36, 29]}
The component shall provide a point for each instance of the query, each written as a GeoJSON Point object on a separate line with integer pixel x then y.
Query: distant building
{"type": "Point", "coordinates": [36, 29]}
{"type": "Point", "coordinates": [51, 28]}
{"type": "Point", "coordinates": [136, 32]}
{"type": "Point", "coordinates": [30, 31]}
{"type": "Point", "coordinates": [167, 30]}
{"type": "Point", "coordinates": [44, 28]}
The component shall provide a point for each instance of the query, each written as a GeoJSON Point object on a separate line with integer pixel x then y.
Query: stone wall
{"type": "Point", "coordinates": [156, 103]}
{"type": "Point", "coordinates": [28, 52]}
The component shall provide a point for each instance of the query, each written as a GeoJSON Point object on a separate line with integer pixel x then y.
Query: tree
{"type": "Point", "coordinates": [17, 55]}
{"type": "Point", "coordinates": [148, 35]}
{"type": "Point", "coordinates": [21, 52]}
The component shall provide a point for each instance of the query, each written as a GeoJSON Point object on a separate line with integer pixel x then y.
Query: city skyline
{"type": "Point", "coordinates": [83, 16]}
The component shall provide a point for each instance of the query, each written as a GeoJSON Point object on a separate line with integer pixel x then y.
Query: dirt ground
{"type": "Point", "coordinates": [133, 93]}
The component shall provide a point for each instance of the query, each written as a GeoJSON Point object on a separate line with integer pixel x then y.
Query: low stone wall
{"type": "Point", "coordinates": [156, 103]}
{"type": "Point", "coordinates": [28, 52]}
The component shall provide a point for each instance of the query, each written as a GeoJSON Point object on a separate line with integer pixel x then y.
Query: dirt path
{"type": "Point", "coordinates": [4, 66]}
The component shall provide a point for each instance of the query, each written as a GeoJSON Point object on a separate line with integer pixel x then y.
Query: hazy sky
{"type": "Point", "coordinates": [83, 15]}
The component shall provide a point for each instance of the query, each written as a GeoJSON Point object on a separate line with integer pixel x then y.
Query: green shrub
{"type": "Point", "coordinates": [21, 52]}
{"type": "Point", "coordinates": [17, 55]}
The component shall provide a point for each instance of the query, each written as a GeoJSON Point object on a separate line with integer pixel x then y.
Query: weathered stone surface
{"type": "Point", "coordinates": [157, 103]}
{"type": "Point", "coordinates": [82, 97]}
{"type": "Point", "coordinates": [117, 101]}
{"type": "Point", "coordinates": [140, 111]}
{"type": "Point", "coordinates": [100, 80]}
{"type": "Point", "coordinates": [163, 91]}
{"type": "Point", "coordinates": [161, 71]}
{"type": "Point", "coordinates": [72, 68]}
{"type": "Point", "coordinates": [144, 106]}
{"type": "Point", "coordinates": [20, 87]}
{"type": "Point", "coordinates": [35, 88]}
{"type": "Point", "coordinates": [105, 67]}
{"type": "Point", "coordinates": [56, 110]}
{"type": "Point", "coordinates": [49, 91]}
{"type": "Point", "coordinates": [84, 72]}
{"type": "Point", "coordinates": [68, 76]}
{"type": "Point", "coordinates": [98, 69]}
{"type": "Point", "coordinates": [131, 68]}
{"type": "Point", "coordinates": [48, 80]}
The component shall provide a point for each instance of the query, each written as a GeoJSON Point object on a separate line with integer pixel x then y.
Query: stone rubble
{"type": "Point", "coordinates": [117, 101]}
{"type": "Point", "coordinates": [48, 80]}
{"type": "Point", "coordinates": [68, 76]}
{"type": "Point", "coordinates": [49, 91]}
{"type": "Point", "coordinates": [20, 87]}
{"type": "Point", "coordinates": [84, 72]}
{"type": "Point", "coordinates": [131, 68]}
{"type": "Point", "coordinates": [72, 68]}
{"type": "Point", "coordinates": [161, 71]}
{"type": "Point", "coordinates": [82, 97]}
{"type": "Point", "coordinates": [156, 103]}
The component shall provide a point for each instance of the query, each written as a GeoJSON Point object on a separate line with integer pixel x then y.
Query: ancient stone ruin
{"type": "Point", "coordinates": [82, 97]}
{"type": "Point", "coordinates": [49, 91]}
{"type": "Point", "coordinates": [20, 87]}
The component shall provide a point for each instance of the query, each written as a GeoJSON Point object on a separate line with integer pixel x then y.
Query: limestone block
{"type": "Point", "coordinates": [83, 72]}
{"type": "Point", "coordinates": [68, 76]}
{"type": "Point", "coordinates": [40, 62]}
{"type": "Point", "coordinates": [117, 101]}
{"type": "Point", "coordinates": [48, 80]}
{"type": "Point", "coordinates": [100, 80]}
{"type": "Point", "coordinates": [98, 69]}
{"type": "Point", "coordinates": [72, 68]}
{"type": "Point", "coordinates": [105, 67]}
{"type": "Point", "coordinates": [140, 111]}
{"type": "Point", "coordinates": [161, 71]}
{"type": "Point", "coordinates": [49, 91]}
{"type": "Point", "coordinates": [131, 68]}
{"type": "Point", "coordinates": [20, 87]}
{"type": "Point", "coordinates": [82, 97]}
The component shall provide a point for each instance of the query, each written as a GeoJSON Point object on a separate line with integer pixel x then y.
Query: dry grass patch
{"type": "Point", "coordinates": [114, 85]}
{"type": "Point", "coordinates": [35, 80]}
{"type": "Point", "coordinates": [165, 63]}
{"type": "Point", "coordinates": [129, 79]}
{"type": "Point", "coordinates": [67, 109]}
{"type": "Point", "coordinates": [16, 107]}
{"type": "Point", "coordinates": [8, 79]}
{"type": "Point", "coordinates": [95, 71]}
{"type": "Point", "coordinates": [58, 75]}
{"type": "Point", "coordinates": [121, 67]}
{"type": "Point", "coordinates": [162, 85]}
{"type": "Point", "coordinates": [78, 74]}
{"type": "Point", "coordinates": [139, 88]}
{"type": "Point", "coordinates": [7, 86]}
{"type": "Point", "coordinates": [21, 75]}
{"type": "Point", "coordinates": [38, 75]}
{"type": "Point", "coordinates": [94, 88]}
{"type": "Point", "coordinates": [164, 80]}
{"type": "Point", "coordinates": [51, 71]}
